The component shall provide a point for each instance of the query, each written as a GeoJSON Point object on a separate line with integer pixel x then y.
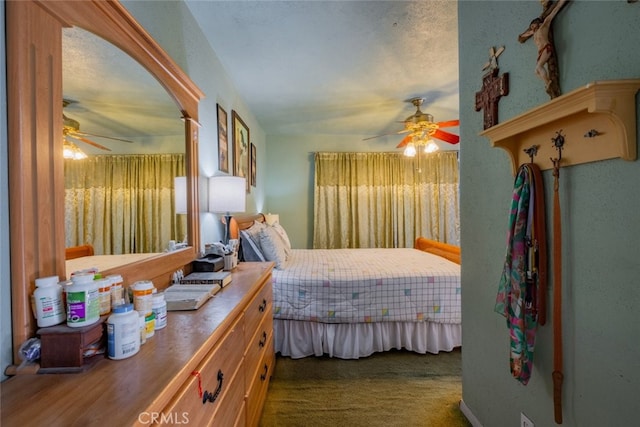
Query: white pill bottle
{"type": "Point", "coordinates": [49, 302]}
{"type": "Point", "coordinates": [123, 332]}
{"type": "Point", "coordinates": [83, 304]}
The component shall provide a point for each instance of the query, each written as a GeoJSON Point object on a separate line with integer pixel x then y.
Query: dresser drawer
{"type": "Point", "coordinates": [258, 389]}
{"type": "Point", "coordinates": [259, 308]}
{"type": "Point", "coordinates": [220, 380]}
{"type": "Point", "coordinates": [258, 345]}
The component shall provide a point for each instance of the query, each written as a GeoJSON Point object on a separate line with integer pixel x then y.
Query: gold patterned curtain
{"type": "Point", "coordinates": [385, 200]}
{"type": "Point", "coordinates": [123, 204]}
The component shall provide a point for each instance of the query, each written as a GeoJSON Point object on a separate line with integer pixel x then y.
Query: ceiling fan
{"type": "Point", "coordinates": [71, 131]}
{"type": "Point", "coordinates": [422, 128]}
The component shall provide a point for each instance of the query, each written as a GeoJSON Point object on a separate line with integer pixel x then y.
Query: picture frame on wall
{"type": "Point", "coordinates": [253, 165]}
{"type": "Point", "coordinates": [223, 141]}
{"type": "Point", "coordinates": [241, 154]}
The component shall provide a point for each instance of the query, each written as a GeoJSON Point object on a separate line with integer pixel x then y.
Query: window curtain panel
{"type": "Point", "coordinates": [385, 200]}
{"type": "Point", "coordinates": [123, 204]}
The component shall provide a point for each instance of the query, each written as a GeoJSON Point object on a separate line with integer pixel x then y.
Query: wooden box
{"type": "Point", "coordinates": [62, 347]}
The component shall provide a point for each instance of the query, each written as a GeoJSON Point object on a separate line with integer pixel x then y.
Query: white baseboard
{"type": "Point", "coordinates": [467, 413]}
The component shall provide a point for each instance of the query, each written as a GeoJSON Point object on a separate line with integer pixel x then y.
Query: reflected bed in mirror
{"type": "Point", "coordinates": [120, 197]}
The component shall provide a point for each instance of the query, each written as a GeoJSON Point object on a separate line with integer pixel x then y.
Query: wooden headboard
{"type": "Point", "coordinates": [445, 250]}
{"type": "Point", "coordinates": [242, 222]}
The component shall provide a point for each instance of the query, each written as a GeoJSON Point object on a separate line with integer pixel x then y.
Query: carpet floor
{"type": "Point", "coordinates": [394, 388]}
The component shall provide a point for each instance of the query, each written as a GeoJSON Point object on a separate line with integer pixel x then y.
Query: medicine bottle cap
{"type": "Point", "coordinates": [123, 308]}
{"type": "Point", "coordinates": [42, 282]}
{"type": "Point", "coordinates": [82, 278]}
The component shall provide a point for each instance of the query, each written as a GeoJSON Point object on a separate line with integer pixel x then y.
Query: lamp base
{"type": "Point", "coordinates": [227, 229]}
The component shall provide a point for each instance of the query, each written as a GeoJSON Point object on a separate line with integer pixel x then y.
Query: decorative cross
{"type": "Point", "coordinates": [493, 88]}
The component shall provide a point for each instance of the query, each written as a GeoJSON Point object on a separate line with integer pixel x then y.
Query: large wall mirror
{"type": "Point", "coordinates": [124, 145]}
{"type": "Point", "coordinates": [35, 62]}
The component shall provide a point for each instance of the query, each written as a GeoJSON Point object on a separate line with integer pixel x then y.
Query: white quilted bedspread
{"type": "Point", "coordinates": [367, 285]}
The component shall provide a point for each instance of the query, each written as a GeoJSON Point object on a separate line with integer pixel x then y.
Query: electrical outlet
{"type": "Point", "coordinates": [524, 421]}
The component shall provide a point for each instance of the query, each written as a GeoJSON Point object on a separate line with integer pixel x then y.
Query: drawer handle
{"type": "Point", "coordinates": [211, 397]}
{"type": "Point", "coordinates": [263, 341]}
{"type": "Point", "coordinates": [262, 306]}
{"type": "Point", "coordinates": [264, 376]}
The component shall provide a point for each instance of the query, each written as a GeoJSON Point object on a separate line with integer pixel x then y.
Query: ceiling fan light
{"type": "Point", "coordinates": [410, 150]}
{"type": "Point", "coordinates": [431, 147]}
{"type": "Point", "coordinates": [71, 151]}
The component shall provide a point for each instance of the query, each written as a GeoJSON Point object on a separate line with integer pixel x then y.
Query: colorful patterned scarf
{"type": "Point", "coordinates": [523, 278]}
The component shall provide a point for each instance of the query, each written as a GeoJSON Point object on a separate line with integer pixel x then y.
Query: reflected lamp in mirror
{"type": "Point", "coordinates": [180, 193]}
{"type": "Point", "coordinates": [227, 194]}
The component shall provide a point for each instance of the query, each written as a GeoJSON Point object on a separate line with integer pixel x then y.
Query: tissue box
{"type": "Point", "coordinates": [208, 263]}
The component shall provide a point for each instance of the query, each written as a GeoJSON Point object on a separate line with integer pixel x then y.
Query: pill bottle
{"type": "Point", "coordinates": [159, 308]}
{"type": "Point", "coordinates": [123, 332]}
{"type": "Point", "coordinates": [83, 305]}
{"type": "Point", "coordinates": [48, 302]}
{"type": "Point", "coordinates": [117, 290]}
{"type": "Point", "coordinates": [104, 295]}
{"type": "Point", "coordinates": [142, 291]}
{"type": "Point", "coordinates": [150, 325]}
{"type": "Point", "coordinates": [142, 328]}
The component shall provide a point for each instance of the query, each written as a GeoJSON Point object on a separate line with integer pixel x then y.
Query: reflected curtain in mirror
{"type": "Point", "coordinates": [123, 204]}
{"type": "Point", "coordinates": [385, 200]}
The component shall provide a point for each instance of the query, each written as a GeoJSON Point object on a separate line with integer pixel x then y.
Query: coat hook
{"type": "Point", "coordinates": [558, 143]}
{"type": "Point", "coordinates": [591, 133]}
{"type": "Point", "coordinates": [532, 151]}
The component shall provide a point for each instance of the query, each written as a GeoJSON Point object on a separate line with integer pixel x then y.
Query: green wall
{"type": "Point", "coordinates": [596, 40]}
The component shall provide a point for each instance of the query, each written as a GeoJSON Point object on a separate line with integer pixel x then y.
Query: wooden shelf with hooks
{"type": "Point", "coordinates": [598, 122]}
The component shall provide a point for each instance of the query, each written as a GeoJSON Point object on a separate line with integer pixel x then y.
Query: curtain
{"type": "Point", "coordinates": [123, 204]}
{"type": "Point", "coordinates": [385, 200]}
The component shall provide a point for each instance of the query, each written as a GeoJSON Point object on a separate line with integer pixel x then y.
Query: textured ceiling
{"type": "Point", "coordinates": [302, 67]}
{"type": "Point", "coordinates": [337, 67]}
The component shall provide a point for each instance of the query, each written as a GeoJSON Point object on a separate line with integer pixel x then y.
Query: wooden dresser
{"type": "Point", "coordinates": [206, 367]}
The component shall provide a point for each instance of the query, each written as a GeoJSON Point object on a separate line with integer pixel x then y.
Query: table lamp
{"type": "Point", "coordinates": [227, 194]}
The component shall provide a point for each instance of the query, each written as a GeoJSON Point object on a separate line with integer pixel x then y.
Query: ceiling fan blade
{"type": "Point", "coordinates": [387, 134]}
{"type": "Point", "coordinates": [446, 136]}
{"type": "Point", "coordinates": [404, 141]}
{"type": "Point", "coordinates": [449, 123]}
{"type": "Point", "coordinates": [88, 141]}
{"type": "Point", "coordinates": [101, 136]}
{"type": "Point", "coordinates": [378, 136]}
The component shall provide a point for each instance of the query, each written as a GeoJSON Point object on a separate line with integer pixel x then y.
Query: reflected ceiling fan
{"type": "Point", "coordinates": [71, 131]}
{"type": "Point", "coordinates": [421, 128]}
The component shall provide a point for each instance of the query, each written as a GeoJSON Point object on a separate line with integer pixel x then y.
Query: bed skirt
{"type": "Point", "coordinates": [298, 339]}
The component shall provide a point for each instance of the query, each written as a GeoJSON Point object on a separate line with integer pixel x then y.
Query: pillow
{"type": "Point", "coordinates": [250, 250]}
{"type": "Point", "coordinates": [254, 231]}
{"type": "Point", "coordinates": [283, 234]}
{"type": "Point", "coordinates": [273, 247]}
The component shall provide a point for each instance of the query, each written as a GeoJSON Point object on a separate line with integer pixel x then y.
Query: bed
{"type": "Point", "coordinates": [351, 303]}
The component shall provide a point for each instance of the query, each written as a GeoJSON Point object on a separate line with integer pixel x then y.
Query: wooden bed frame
{"type": "Point", "coordinates": [300, 338]}
{"type": "Point", "coordinates": [78, 252]}
{"type": "Point", "coordinates": [445, 250]}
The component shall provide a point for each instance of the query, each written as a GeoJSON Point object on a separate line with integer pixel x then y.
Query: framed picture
{"type": "Point", "coordinates": [240, 147]}
{"type": "Point", "coordinates": [223, 142]}
{"type": "Point", "coordinates": [253, 164]}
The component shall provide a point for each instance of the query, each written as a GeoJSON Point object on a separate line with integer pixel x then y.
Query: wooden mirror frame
{"type": "Point", "coordinates": [36, 166]}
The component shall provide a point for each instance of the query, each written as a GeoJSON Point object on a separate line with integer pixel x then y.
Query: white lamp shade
{"type": "Point", "coordinates": [180, 193]}
{"type": "Point", "coordinates": [227, 194]}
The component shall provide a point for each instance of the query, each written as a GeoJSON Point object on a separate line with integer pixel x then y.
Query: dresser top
{"type": "Point", "coordinates": [117, 392]}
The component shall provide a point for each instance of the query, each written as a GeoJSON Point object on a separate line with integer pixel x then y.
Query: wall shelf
{"type": "Point", "coordinates": [604, 109]}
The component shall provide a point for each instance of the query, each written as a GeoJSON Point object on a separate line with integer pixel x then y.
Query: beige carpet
{"type": "Point", "coordinates": [395, 388]}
